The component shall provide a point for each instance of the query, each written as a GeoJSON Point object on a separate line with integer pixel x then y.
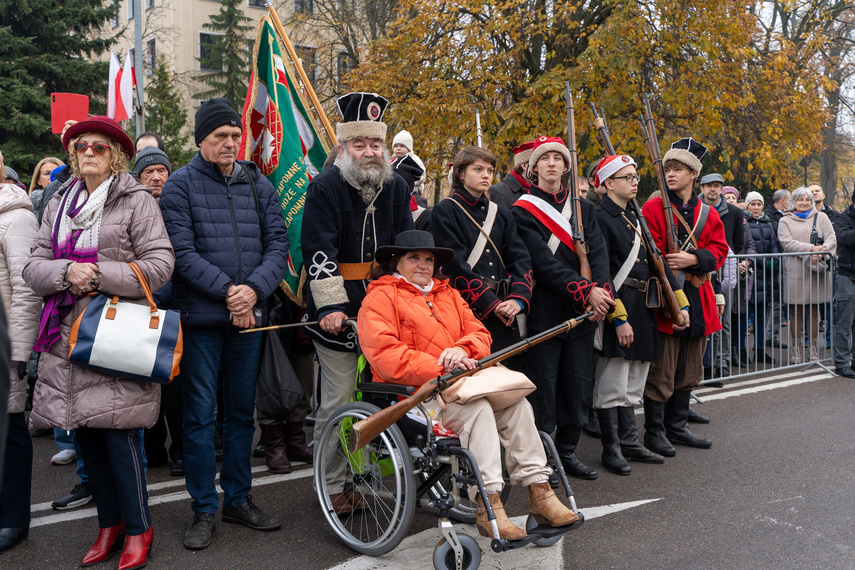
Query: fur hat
{"type": "Point", "coordinates": [610, 165]}
{"type": "Point", "coordinates": [688, 151]}
{"type": "Point", "coordinates": [751, 196]}
{"type": "Point", "coordinates": [213, 114]}
{"type": "Point", "coordinates": [404, 138]}
{"type": "Point", "coordinates": [522, 153]}
{"type": "Point", "coordinates": [103, 126]}
{"type": "Point", "coordinates": [362, 115]}
{"type": "Point", "coordinates": [542, 145]}
{"type": "Point", "coordinates": [408, 168]}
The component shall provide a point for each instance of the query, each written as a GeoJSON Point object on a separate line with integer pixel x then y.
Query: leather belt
{"type": "Point", "coordinates": [697, 281]}
{"type": "Point", "coordinates": [494, 285]}
{"type": "Point", "coordinates": [636, 284]}
{"type": "Point", "coordinates": [355, 271]}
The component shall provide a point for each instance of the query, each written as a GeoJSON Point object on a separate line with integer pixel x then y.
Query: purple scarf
{"type": "Point", "coordinates": [58, 305]}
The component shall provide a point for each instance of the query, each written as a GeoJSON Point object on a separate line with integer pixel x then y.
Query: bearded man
{"type": "Point", "coordinates": [353, 207]}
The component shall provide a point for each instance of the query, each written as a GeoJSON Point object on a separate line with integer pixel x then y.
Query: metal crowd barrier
{"type": "Point", "coordinates": [791, 312]}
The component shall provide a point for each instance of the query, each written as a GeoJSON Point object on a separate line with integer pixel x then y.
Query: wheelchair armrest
{"type": "Point", "coordinates": [385, 388]}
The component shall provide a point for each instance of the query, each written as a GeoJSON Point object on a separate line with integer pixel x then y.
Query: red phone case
{"type": "Point", "coordinates": [67, 106]}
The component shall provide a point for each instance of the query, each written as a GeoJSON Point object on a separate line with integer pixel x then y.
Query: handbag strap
{"type": "Point", "coordinates": [814, 235]}
{"type": "Point", "coordinates": [155, 317]}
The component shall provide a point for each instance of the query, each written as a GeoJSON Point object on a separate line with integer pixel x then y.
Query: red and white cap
{"type": "Point", "coordinates": [542, 145]}
{"type": "Point", "coordinates": [522, 153]}
{"type": "Point", "coordinates": [609, 166]}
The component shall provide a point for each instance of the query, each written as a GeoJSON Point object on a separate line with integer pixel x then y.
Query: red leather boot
{"type": "Point", "coordinates": [109, 540]}
{"type": "Point", "coordinates": [136, 551]}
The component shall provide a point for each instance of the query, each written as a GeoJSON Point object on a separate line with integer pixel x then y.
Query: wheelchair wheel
{"type": "Point", "coordinates": [443, 554]}
{"type": "Point", "coordinates": [464, 510]}
{"type": "Point", "coordinates": [380, 472]}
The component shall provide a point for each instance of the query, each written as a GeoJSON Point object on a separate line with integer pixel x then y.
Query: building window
{"type": "Point", "coordinates": [257, 3]}
{"type": "Point", "coordinates": [148, 4]}
{"type": "Point", "coordinates": [303, 6]}
{"type": "Point", "coordinates": [130, 9]}
{"type": "Point", "coordinates": [206, 41]}
{"type": "Point", "coordinates": [308, 58]}
{"type": "Point", "coordinates": [343, 64]}
{"type": "Point", "coordinates": [150, 63]}
{"type": "Point", "coordinates": [114, 19]}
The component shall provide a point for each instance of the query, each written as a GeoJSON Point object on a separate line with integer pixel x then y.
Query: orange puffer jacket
{"type": "Point", "coordinates": [402, 331]}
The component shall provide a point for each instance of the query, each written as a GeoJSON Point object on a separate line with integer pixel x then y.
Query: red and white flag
{"type": "Point", "coordinates": [120, 93]}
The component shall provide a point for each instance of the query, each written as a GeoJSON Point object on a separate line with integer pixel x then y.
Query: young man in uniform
{"type": "Point", "coordinates": [702, 249]}
{"type": "Point", "coordinates": [562, 366]}
{"type": "Point", "coordinates": [629, 340]}
{"type": "Point", "coordinates": [491, 267]}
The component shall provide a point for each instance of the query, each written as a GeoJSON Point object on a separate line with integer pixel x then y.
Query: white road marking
{"type": "Point", "coordinates": [416, 552]}
{"type": "Point", "coordinates": [161, 499]}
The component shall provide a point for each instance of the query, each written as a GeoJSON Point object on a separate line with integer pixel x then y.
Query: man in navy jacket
{"type": "Point", "coordinates": [231, 250]}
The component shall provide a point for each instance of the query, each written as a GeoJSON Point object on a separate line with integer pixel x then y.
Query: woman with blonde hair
{"type": "Point", "coordinates": [99, 221]}
{"type": "Point", "coordinates": [41, 178]}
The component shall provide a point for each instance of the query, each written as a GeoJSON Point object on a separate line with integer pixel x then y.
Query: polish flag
{"type": "Point", "coordinates": [120, 89]}
{"type": "Point", "coordinates": [128, 84]}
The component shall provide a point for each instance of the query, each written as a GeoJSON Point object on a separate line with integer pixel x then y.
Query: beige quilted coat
{"type": "Point", "coordinates": [68, 396]}
{"type": "Point", "coordinates": [18, 227]}
{"type": "Point", "coordinates": [806, 283]}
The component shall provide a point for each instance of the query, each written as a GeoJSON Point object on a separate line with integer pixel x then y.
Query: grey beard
{"type": "Point", "coordinates": [366, 175]}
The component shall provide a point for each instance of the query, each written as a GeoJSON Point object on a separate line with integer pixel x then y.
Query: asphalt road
{"type": "Point", "coordinates": [775, 491]}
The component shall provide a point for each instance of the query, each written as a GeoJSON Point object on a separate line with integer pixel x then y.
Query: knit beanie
{"type": "Point", "coordinates": [751, 196]}
{"type": "Point", "coordinates": [149, 156]}
{"type": "Point", "coordinates": [404, 138]}
{"type": "Point", "coordinates": [213, 114]}
{"type": "Point", "coordinates": [10, 173]}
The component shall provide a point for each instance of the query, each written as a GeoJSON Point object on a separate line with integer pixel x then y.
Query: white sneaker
{"type": "Point", "coordinates": [796, 356]}
{"type": "Point", "coordinates": [814, 356]}
{"type": "Point", "coordinates": [64, 457]}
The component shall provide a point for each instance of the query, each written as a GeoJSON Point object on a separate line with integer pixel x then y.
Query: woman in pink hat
{"type": "Point", "coordinates": [101, 219]}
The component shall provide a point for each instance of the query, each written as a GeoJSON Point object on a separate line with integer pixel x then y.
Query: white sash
{"type": "Point", "coordinates": [566, 212]}
{"type": "Point", "coordinates": [481, 242]}
{"type": "Point", "coordinates": [561, 220]}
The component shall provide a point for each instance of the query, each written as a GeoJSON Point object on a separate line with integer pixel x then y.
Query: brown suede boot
{"type": "Point", "coordinates": [295, 443]}
{"type": "Point", "coordinates": [546, 508]}
{"type": "Point", "coordinates": [272, 437]}
{"type": "Point", "coordinates": [507, 529]}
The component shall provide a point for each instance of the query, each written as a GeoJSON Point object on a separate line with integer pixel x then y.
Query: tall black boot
{"type": "Point", "coordinates": [566, 439]}
{"type": "Point", "coordinates": [630, 447]}
{"type": "Point", "coordinates": [676, 422]}
{"type": "Point", "coordinates": [697, 418]}
{"type": "Point", "coordinates": [612, 459]}
{"type": "Point", "coordinates": [654, 428]}
{"type": "Point", "coordinates": [593, 427]}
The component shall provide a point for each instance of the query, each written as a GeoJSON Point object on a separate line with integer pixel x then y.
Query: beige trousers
{"type": "Point", "coordinates": [482, 431]}
{"type": "Point", "coordinates": [619, 382]}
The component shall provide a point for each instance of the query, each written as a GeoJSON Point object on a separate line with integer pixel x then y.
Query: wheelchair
{"type": "Point", "coordinates": [407, 466]}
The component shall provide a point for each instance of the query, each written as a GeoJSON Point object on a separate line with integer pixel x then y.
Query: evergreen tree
{"type": "Point", "coordinates": [166, 115]}
{"type": "Point", "coordinates": [229, 51]}
{"type": "Point", "coordinates": [47, 46]}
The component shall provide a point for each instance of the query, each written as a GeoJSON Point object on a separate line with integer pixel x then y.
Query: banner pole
{"type": "Point", "coordinates": [299, 67]}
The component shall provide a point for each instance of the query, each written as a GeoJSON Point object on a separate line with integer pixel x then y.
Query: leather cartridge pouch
{"type": "Point", "coordinates": [653, 295]}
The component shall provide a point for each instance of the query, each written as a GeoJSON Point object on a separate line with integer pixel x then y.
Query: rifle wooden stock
{"type": "Point", "coordinates": [366, 430]}
{"type": "Point", "coordinates": [581, 246]}
{"type": "Point", "coordinates": [658, 262]}
{"type": "Point", "coordinates": [652, 142]}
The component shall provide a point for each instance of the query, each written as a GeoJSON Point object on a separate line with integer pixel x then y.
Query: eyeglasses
{"type": "Point", "coordinates": [630, 178]}
{"type": "Point", "coordinates": [97, 148]}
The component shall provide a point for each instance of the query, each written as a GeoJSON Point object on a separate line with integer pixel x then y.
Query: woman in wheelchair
{"type": "Point", "coordinates": [413, 327]}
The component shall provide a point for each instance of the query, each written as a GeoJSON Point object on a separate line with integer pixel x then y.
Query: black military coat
{"type": "Point", "coordinates": [560, 292]}
{"type": "Point", "coordinates": [619, 227]}
{"type": "Point", "coordinates": [508, 191]}
{"type": "Point", "coordinates": [452, 229]}
{"type": "Point", "coordinates": [338, 227]}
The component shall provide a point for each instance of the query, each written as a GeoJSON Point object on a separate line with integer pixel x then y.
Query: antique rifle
{"type": "Point", "coordinates": [652, 142]}
{"type": "Point", "coordinates": [653, 250]}
{"type": "Point", "coordinates": [580, 245]}
{"type": "Point", "coordinates": [365, 430]}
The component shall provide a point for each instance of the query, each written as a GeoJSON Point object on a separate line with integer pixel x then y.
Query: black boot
{"type": "Point", "coordinates": [612, 459]}
{"type": "Point", "coordinates": [697, 418]}
{"type": "Point", "coordinates": [654, 428]}
{"type": "Point", "coordinates": [593, 427]}
{"type": "Point", "coordinates": [566, 439]}
{"type": "Point", "coordinates": [630, 447]}
{"type": "Point", "coordinates": [676, 418]}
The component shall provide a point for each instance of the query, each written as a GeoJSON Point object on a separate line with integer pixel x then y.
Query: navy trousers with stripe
{"type": "Point", "coordinates": [115, 463]}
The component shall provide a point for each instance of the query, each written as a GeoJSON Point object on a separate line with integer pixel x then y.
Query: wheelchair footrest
{"type": "Point", "coordinates": [539, 532]}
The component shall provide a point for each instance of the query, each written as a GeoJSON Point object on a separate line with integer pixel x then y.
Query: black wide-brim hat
{"type": "Point", "coordinates": [414, 240]}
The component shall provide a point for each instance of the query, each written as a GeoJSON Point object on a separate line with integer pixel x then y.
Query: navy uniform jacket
{"type": "Point", "coordinates": [560, 292]}
{"type": "Point", "coordinates": [338, 228]}
{"type": "Point", "coordinates": [619, 235]}
{"type": "Point", "coordinates": [452, 229]}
